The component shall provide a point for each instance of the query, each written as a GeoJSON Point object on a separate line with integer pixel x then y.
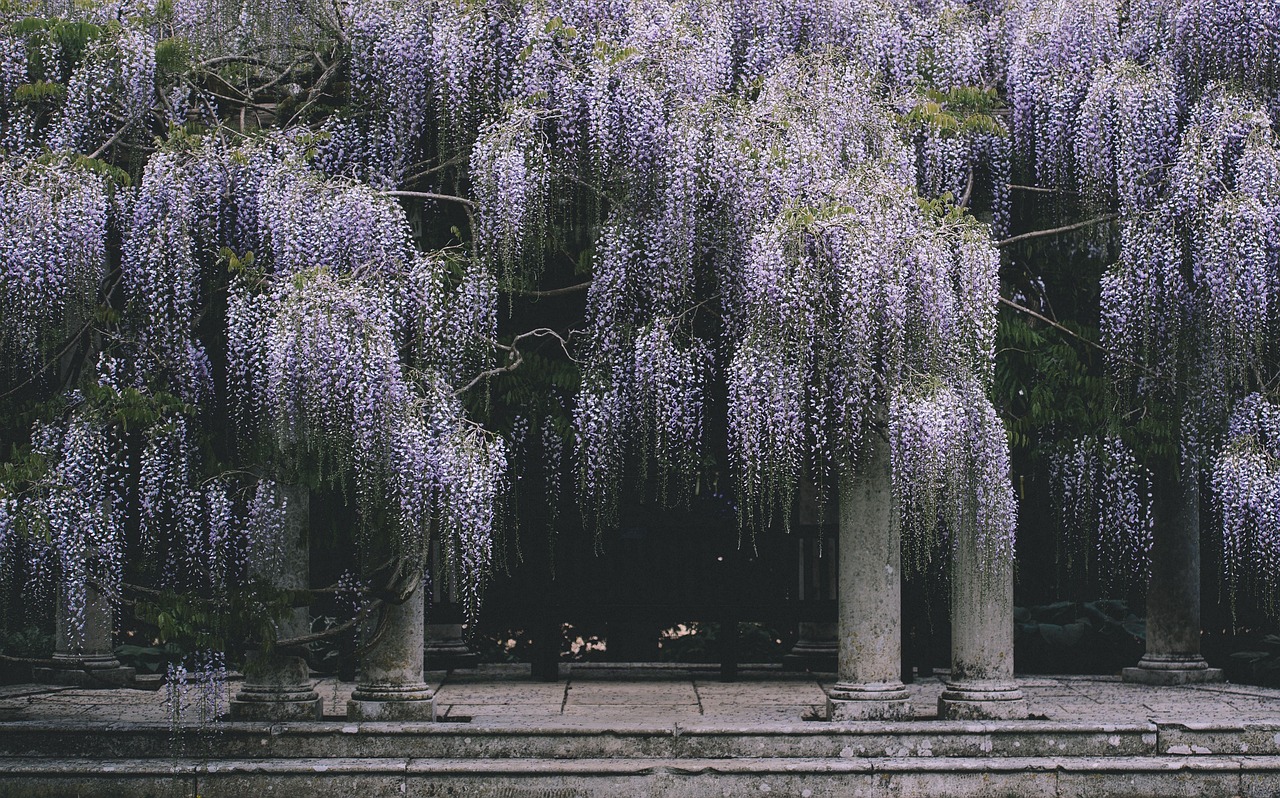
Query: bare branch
{"type": "Point", "coordinates": [515, 357]}
{"type": "Point", "coordinates": [1110, 217]}
{"type": "Point", "coordinates": [237, 59]}
{"type": "Point", "coordinates": [1041, 189]}
{"type": "Point", "coordinates": [1077, 336]}
{"type": "Point", "coordinates": [1052, 323]}
{"type": "Point", "coordinates": [569, 289]}
{"type": "Point", "coordinates": [432, 196]}
{"type": "Point", "coordinates": [968, 191]}
{"type": "Point", "coordinates": [440, 167]}
{"type": "Point", "coordinates": [125, 128]}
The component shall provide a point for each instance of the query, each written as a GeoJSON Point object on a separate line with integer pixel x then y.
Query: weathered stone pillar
{"type": "Point", "coordinates": [981, 684]}
{"type": "Point", "coordinates": [390, 684]}
{"type": "Point", "coordinates": [815, 648]}
{"type": "Point", "coordinates": [868, 602]}
{"type": "Point", "coordinates": [1173, 594]}
{"type": "Point", "coordinates": [85, 658]}
{"type": "Point", "coordinates": [446, 649]}
{"type": "Point", "coordinates": [277, 684]}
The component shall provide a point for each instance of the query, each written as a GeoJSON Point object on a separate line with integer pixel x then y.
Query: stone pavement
{"type": "Point", "coordinates": [589, 695]}
{"type": "Point", "coordinates": [646, 731]}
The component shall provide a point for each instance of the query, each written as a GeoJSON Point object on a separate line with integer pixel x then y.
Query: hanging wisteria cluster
{"type": "Point", "coordinates": [1103, 497]}
{"type": "Point", "coordinates": [1164, 112]}
{"type": "Point", "coordinates": [78, 515]}
{"type": "Point", "coordinates": [390, 63]}
{"type": "Point", "coordinates": [53, 255]}
{"type": "Point", "coordinates": [316, 359]}
{"type": "Point", "coordinates": [1246, 487]}
{"type": "Point", "coordinates": [108, 95]}
{"type": "Point", "coordinates": [783, 216]}
{"type": "Point", "coordinates": [748, 196]}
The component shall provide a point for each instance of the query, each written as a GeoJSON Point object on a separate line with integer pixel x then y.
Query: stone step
{"type": "Point", "coordinates": [808, 777]}
{"type": "Point", "coordinates": [481, 740]}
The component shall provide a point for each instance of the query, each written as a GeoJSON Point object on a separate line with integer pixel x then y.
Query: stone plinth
{"type": "Point", "coordinates": [816, 648]}
{"type": "Point", "coordinates": [85, 656]}
{"type": "Point", "coordinates": [1171, 669]}
{"type": "Point", "coordinates": [390, 683]}
{"type": "Point", "coordinates": [277, 687]}
{"type": "Point", "coordinates": [446, 650]}
{"type": "Point", "coordinates": [277, 684]}
{"type": "Point", "coordinates": [869, 637]}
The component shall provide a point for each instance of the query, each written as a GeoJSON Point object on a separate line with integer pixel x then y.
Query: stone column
{"type": "Point", "coordinates": [981, 684]}
{"type": "Point", "coordinates": [85, 659]}
{"type": "Point", "coordinates": [390, 684]}
{"type": "Point", "coordinates": [277, 683]}
{"type": "Point", "coordinates": [446, 649]}
{"type": "Point", "coordinates": [815, 648]}
{"type": "Point", "coordinates": [868, 601]}
{"type": "Point", "coordinates": [1173, 594]}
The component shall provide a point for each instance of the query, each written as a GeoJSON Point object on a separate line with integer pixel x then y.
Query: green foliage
{"type": "Point", "coordinates": [134, 409]}
{"type": "Point", "coordinates": [191, 622]}
{"type": "Point", "coordinates": [31, 641]}
{"type": "Point", "coordinates": [538, 388]}
{"type": "Point", "coordinates": [116, 177]}
{"type": "Point", "coordinates": [173, 56]}
{"type": "Point", "coordinates": [39, 92]}
{"type": "Point", "coordinates": [243, 267]}
{"type": "Point", "coordinates": [967, 109]}
{"type": "Point", "coordinates": [69, 38]}
{"type": "Point", "coordinates": [1263, 663]}
{"type": "Point", "coordinates": [149, 659]}
{"type": "Point", "coordinates": [1047, 380]}
{"type": "Point", "coordinates": [945, 209]}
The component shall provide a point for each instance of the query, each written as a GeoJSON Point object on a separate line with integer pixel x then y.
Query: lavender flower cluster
{"type": "Point", "coordinates": [78, 514]}
{"type": "Point", "coordinates": [112, 89]}
{"type": "Point", "coordinates": [1246, 484]}
{"type": "Point", "coordinates": [727, 144]}
{"type": "Point", "coordinates": [1104, 498]}
{"type": "Point", "coordinates": [1165, 112]}
{"type": "Point", "coordinates": [53, 254]}
{"type": "Point", "coordinates": [760, 216]}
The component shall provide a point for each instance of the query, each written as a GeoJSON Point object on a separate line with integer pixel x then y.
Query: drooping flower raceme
{"type": "Point", "coordinates": [1056, 48]}
{"type": "Point", "coordinates": [110, 93]}
{"type": "Point", "coordinates": [1246, 485]}
{"type": "Point", "coordinates": [1127, 135]}
{"type": "Point", "coordinates": [53, 254]}
{"type": "Point", "coordinates": [79, 509]}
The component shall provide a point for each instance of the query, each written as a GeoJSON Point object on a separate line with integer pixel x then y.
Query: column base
{"type": "Point", "coordinates": [876, 701]}
{"type": "Point", "coordinates": [92, 671]}
{"type": "Point", "coordinates": [1171, 669]}
{"type": "Point", "coordinates": [276, 705]}
{"type": "Point", "coordinates": [807, 655]}
{"type": "Point", "coordinates": [815, 648]}
{"type": "Point", "coordinates": [277, 686]}
{"type": "Point", "coordinates": [982, 701]}
{"type": "Point", "coordinates": [450, 654]}
{"type": "Point", "coordinates": [392, 703]}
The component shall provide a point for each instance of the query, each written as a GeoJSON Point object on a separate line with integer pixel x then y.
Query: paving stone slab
{"type": "Point", "coordinates": [1093, 736]}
